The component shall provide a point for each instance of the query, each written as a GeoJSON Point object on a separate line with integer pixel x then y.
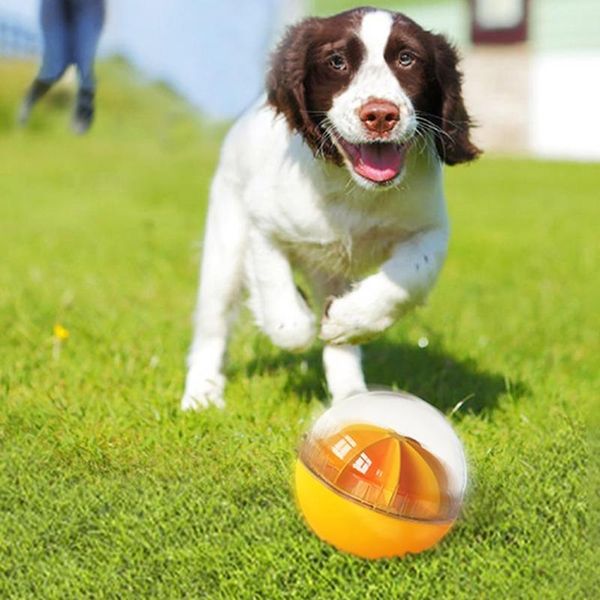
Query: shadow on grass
{"type": "Point", "coordinates": [430, 373]}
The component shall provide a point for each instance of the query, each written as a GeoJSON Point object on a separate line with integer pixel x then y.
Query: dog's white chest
{"type": "Point", "coordinates": [334, 235]}
{"type": "Point", "coordinates": [347, 255]}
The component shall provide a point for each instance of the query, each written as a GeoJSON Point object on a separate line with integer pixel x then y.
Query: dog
{"type": "Point", "coordinates": [335, 173]}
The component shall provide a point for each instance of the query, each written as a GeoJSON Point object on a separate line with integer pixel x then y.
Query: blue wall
{"type": "Point", "coordinates": [212, 52]}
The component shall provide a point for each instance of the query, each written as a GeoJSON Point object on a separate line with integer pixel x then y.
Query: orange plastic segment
{"type": "Point", "coordinates": [344, 446]}
{"type": "Point", "coordinates": [418, 492]}
{"type": "Point", "coordinates": [358, 529]}
{"type": "Point", "coordinates": [435, 464]}
{"type": "Point", "coordinates": [373, 475]}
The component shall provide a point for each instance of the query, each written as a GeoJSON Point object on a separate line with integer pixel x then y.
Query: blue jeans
{"type": "Point", "coordinates": [71, 29]}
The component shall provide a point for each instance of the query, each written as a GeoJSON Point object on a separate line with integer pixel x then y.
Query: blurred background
{"type": "Point", "coordinates": [532, 66]}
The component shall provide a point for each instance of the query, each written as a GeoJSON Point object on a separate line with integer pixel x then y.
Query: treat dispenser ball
{"type": "Point", "coordinates": [381, 474]}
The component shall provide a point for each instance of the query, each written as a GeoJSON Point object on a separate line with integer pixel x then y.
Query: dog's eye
{"type": "Point", "coordinates": [406, 59]}
{"type": "Point", "coordinates": [337, 62]}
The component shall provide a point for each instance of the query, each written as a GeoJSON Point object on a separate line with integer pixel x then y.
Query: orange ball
{"type": "Point", "coordinates": [381, 474]}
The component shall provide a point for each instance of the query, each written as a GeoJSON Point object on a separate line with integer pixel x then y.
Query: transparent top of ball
{"type": "Point", "coordinates": [391, 451]}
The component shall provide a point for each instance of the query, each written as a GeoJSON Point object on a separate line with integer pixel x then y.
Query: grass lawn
{"type": "Point", "coordinates": [106, 489]}
{"type": "Point", "coordinates": [331, 7]}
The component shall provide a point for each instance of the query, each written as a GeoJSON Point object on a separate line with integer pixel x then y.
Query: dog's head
{"type": "Point", "coordinates": [364, 85]}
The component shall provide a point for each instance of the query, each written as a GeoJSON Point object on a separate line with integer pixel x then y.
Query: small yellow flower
{"type": "Point", "coordinates": [60, 332]}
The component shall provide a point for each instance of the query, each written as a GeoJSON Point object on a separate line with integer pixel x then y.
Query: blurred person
{"type": "Point", "coordinates": [71, 30]}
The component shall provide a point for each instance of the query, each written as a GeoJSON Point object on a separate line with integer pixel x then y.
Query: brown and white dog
{"type": "Point", "coordinates": [336, 173]}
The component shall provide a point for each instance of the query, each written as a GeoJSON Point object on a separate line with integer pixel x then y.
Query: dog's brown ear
{"type": "Point", "coordinates": [454, 144]}
{"type": "Point", "coordinates": [286, 90]}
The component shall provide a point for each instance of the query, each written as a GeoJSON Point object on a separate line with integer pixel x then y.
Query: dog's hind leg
{"type": "Point", "coordinates": [342, 363]}
{"type": "Point", "coordinates": [220, 283]}
{"type": "Point", "coordinates": [343, 371]}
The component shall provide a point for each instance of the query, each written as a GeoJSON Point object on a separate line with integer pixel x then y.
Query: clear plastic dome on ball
{"type": "Point", "coordinates": [376, 459]}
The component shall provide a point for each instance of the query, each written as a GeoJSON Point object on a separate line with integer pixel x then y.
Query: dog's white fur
{"type": "Point", "coordinates": [273, 206]}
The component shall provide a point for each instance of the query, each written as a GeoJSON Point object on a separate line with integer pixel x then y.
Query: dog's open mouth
{"type": "Point", "coordinates": [379, 162]}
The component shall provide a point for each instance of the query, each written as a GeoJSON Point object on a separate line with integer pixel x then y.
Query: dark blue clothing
{"type": "Point", "coordinates": [71, 30]}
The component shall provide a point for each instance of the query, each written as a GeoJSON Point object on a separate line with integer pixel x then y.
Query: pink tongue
{"type": "Point", "coordinates": [378, 162]}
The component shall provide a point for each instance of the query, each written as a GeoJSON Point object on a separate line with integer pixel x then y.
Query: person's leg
{"type": "Point", "coordinates": [54, 18]}
{"type": "Point", "coordinates": [88, 19]}
{"type": "Point", "coordinates": [55, 57]}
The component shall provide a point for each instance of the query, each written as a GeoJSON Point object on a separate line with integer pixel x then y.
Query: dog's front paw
{"type": "Point", "coordinates": [202, 392]}
{"type": "Point", "coordinates": [349, 321]}
{"type": "Point", "coordinates": [294, 330]}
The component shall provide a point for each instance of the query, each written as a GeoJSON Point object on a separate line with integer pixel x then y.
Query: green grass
{"type": "Point", "coordinates": [106, 489]}
{"type": "Point", "coordinates": [331, 7]}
